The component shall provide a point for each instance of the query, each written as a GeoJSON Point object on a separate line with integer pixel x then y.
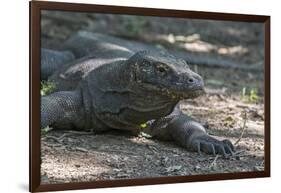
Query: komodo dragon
{"type": "Point", "coordinates": [110, 86]}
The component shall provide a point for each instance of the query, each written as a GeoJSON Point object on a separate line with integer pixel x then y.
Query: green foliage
{"type": "Point", "coordinates": [47, 87]}
{"type": "Point", "coordinates": [250, 95]}
{"type": "Point", "coordinates": [143, 134]}
{"type": "Point", "coordinates": [254, 96]}
{"type": "Point", "coordinates": [143, 125]}
{"type": "Point", "coordinates": [46, 130]}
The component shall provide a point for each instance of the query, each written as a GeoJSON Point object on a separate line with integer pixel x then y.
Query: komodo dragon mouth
{"type": "Point", "coordinates": [185, 95]}
{"type": "Point", "coordinates": [176, 94]}
{"type": "Point", "coordinates": [193, 94]}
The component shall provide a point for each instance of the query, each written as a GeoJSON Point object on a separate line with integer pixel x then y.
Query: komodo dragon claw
{"type": "Point", "coordinates": [210, 145]}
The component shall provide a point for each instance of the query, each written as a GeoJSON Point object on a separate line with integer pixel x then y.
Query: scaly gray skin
{"type": "Point", "coordinates": [52, 60]}
{"type": "Point", "coordinates": [122, 93]}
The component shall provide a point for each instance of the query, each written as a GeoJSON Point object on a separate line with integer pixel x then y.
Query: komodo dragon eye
{"type": "Point", "coordinates": [162, 68]}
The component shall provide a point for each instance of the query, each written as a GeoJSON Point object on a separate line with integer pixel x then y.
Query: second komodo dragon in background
{"type": "Point", "coordinates": [106, 83]}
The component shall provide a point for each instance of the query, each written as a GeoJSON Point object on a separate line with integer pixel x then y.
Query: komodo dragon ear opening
{"type": "Point", "coordinates": [134, 63]}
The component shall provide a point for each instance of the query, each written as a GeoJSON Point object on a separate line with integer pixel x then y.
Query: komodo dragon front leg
{"type": "Point", "coordinates": [188, 133]}
{"type": "Point", "coordinates": [62, 109]}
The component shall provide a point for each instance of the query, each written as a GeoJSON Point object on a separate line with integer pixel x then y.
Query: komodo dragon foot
{"type": "Point", "coordinates": [210, 145]}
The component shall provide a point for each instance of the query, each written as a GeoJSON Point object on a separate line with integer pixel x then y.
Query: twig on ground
{"type": "Point", "coordinates": [244, 155]}
{"type": "Point", "coordinates": [81, 149]}
{"type": "Point", "coordinates": [243, 128]}
{"type": "Point", "coordinates": [58, 140]}
{"type": "Point", "coordinates": [80, 132]}
{"type": "Point", "coordinates": [236, 154]}
{"type": "Point", "coordinates": [119, 152]}
{"type": "Point", "coordinates": [214, 162]}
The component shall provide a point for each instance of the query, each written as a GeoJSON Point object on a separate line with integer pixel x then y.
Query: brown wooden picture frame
{"type": "Point", "coordinates": [34, 98]}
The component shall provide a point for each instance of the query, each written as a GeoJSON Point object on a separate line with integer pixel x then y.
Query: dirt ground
{"type": "Point", "coordinates": [232, 107]}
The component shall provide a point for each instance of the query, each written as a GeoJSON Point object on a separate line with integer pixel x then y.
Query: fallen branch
{"type": "Point", "coordinates": [243, 128]}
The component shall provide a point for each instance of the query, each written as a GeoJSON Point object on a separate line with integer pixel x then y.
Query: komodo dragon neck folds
{"type": "Point", "coordinates": [108, 86]}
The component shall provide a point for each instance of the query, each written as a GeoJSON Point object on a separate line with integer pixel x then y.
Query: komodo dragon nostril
{"type": "Point", "coordinates": [191, 80]}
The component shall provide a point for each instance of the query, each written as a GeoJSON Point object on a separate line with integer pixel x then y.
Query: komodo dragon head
{"type": "Point", "coordinates": [146, 86]}
{"type": "Point", "coordinates": [166, 74]}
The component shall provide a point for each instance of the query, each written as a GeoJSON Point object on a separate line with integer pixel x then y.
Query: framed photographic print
{"type": "Point", "coordinates": [123, 96]}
